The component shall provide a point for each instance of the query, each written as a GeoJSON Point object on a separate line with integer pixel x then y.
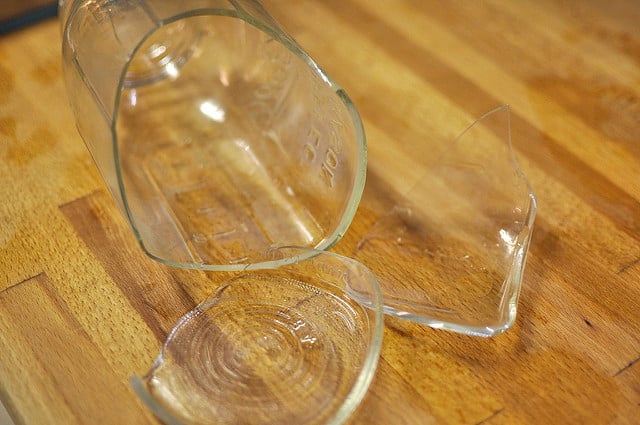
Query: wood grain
{"type": "Point", "coordinates": [51, 350]}
{"type": "Point", "coordinates": [82, 309]}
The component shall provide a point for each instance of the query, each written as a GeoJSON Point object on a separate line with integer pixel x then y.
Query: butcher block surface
{"type": "Point", "coordinates": [82, 308]}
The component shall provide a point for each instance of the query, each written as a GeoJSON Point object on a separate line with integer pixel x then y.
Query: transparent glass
{"type": "Point", "coordinates": [217, 135]}
{"type": "Point", "coordinates": [295, 344]}
{"type": "Point", "coordinates": [451, 251]}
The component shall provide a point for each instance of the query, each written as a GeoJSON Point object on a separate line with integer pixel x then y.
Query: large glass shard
{"type": "Point", "coordinates": [451, 252]}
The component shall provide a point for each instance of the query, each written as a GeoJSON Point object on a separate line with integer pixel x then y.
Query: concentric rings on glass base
{"type": "Point", "coordinates": [294, 344]}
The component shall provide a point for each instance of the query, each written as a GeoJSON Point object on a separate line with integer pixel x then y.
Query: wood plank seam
{"type": "Point", "coordinates": [627, 367]}
{"type": "Point", "coordinates": [496, 413]}
{"type": "Point", "coordinates": [113, 248]}
{"type": "Point", "coordinates": [15, 285]}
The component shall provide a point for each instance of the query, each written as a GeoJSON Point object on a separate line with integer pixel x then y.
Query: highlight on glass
{"type": "Point", "coordinates": [216, 134]}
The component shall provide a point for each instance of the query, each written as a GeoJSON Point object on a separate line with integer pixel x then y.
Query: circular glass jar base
{"type": "Point", "coordinates": [294, 344]}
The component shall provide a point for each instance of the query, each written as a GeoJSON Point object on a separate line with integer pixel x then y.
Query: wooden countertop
{"type": "Point", "coordinates": [81, 308]}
